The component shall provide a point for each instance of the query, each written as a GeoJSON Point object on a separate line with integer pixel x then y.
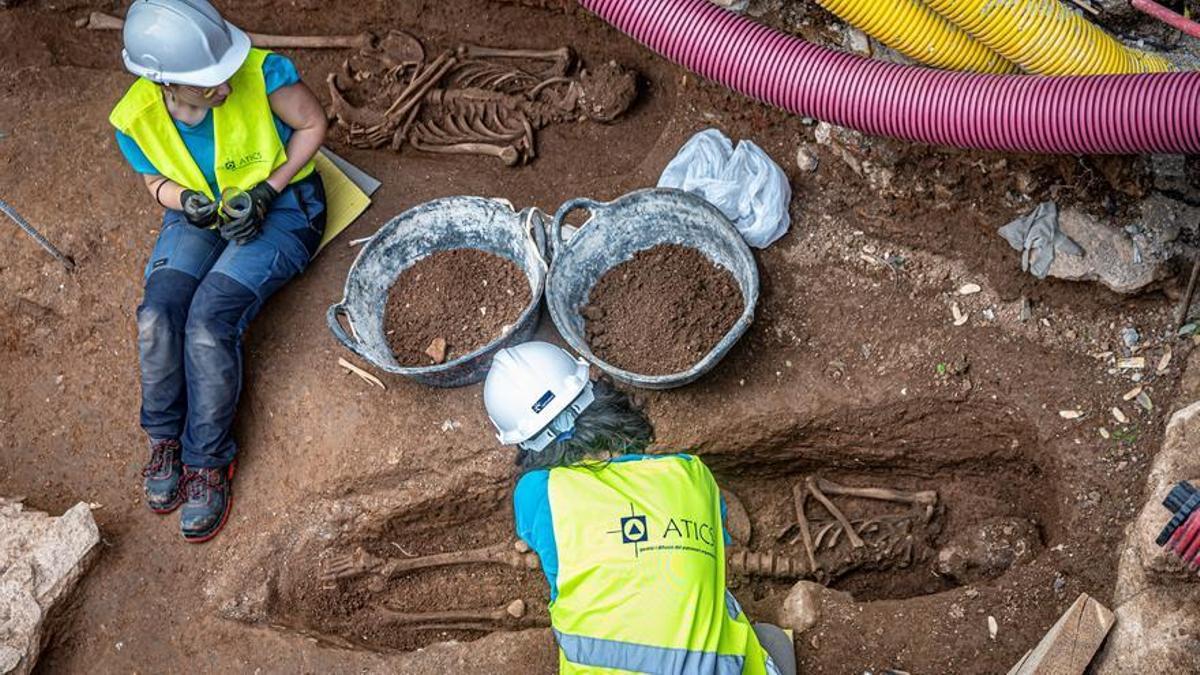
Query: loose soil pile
{"type": "Point", "coordinates": [463, 297]}
{"type": "Point", "coordinates": [661, 311]}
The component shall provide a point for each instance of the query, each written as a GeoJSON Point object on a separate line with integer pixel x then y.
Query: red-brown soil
{"type": "Point", "coordinates": [661, 311]}
{"type": "Point", "coordinates": [465, 297]}
{"type": "Point", "coordinates": [853, 370]}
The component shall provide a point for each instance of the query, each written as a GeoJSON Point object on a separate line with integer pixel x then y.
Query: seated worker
{"type": "Point", "coordinates": [224, 136]}
{"type": "Point", "coordinates": [631, 544]}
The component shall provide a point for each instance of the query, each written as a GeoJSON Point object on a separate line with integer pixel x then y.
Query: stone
{"type": "Point", "coordinates": [1156, 632]}
{"type": "Point", "coordinates": [989, 550]}
{"type": "Point", "coordinates": [1157, 600]}
{"type": "Point", "coordinates": [737, 519]}
{"type": "Point", "coordinates": [1111, 10]}
{"type": "Point", "coordinates": [42, 559]}
{"type": "Point", "coordinates": [1110, 256]}
{"type": "Point", "coordinates": [1165, 224]}
{"type": "Point", "coordinates": [861, 154]}
{"type": "Point", "coordinates": [806, 159]}
{"type": "Point", "coordinates": [437, 350]}
{"type": "Point", "coordinates": [804, 604]}
{"type": "Point", "coordinates": [856, 41]}
{"type": "Point", "coordinates": [1068, 647]}
{"type": "Point", "coordinates": [1170, 172]}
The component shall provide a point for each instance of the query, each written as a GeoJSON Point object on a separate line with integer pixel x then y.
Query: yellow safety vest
{"type": "Point", "coordinates": [641, 577]}
{"type": "Point", "coordinates": [248, 147]}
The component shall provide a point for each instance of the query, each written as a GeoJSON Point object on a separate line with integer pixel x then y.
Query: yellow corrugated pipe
{"type": "Point", "coordinates": [918, 32]}
{"type": "Point", "coordinates": [1044, 37]}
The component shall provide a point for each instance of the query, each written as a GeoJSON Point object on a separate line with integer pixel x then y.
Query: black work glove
{"type": "Point", "coordinates": [198, 209]}
{"type": "Point", "coordinates": [261, 196]}
{"type": "Point", "coordinates": [244, 213]}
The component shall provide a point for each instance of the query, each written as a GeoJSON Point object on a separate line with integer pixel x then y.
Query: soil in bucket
{"type": "Point", "coordinates": [661, 311]}
{"type": "Point", "coordinates": [451, 303]}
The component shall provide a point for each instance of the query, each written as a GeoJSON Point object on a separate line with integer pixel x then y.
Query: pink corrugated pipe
{"type": "Point", "coordinates": [1098, 114]}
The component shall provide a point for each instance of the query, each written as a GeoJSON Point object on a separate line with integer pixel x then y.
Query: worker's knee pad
{"type": "Point", "coordinates": [165, 303]}
{"type": "Point", "coordinates": [220, 311]}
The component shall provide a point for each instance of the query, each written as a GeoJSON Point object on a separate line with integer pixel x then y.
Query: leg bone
{"type": "Point", "coordinates": [511, 616]}
{"type": "Point", "coordinates": [798, 499]}
{"type": "Point", "coordinates": [361, 563]}
{"type": "Point", "coordinates": [507, 154]}
{"type": "Point", "coordinates": [855, 540]}
{"type": "Point", "coordinates": [920, 498]}
{"type": "Point", "coordinates": [561, 57]}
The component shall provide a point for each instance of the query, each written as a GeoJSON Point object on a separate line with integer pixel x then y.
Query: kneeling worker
{"type": "Point", "coordinates": [631, 544]}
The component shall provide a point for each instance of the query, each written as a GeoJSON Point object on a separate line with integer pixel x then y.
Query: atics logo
{"type": "Point", "coordinates": [680, 534]}
{"type": "Point", "coordinates": [633, 530]}
{"type": "Point", "coordinates": [245, 161]}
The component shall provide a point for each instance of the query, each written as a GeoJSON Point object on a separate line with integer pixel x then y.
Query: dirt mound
{"type": "Point", "coordinates": [452, 303]}
{"type": "Point", "coordinates": [661, 311]}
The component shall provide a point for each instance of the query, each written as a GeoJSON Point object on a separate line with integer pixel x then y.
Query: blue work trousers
{"type": "Point", "coordinates": [200, 294]}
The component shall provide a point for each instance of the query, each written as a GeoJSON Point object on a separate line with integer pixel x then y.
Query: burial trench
{"type": "Point", "coordinates": [982, 460]}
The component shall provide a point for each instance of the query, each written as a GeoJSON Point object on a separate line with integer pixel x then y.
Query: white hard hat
{"type": "Point", "coordinates": [182, 42]}
{"type": "Point", "coordinates": [528, 387]}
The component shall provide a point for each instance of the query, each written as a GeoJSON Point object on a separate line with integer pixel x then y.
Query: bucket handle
{"type": "Point", "coordinates": [556, 239]}
{"type": "Point", "coordinates": [535, 229]}
{"type": "Point", "coordinates": [335, 327]}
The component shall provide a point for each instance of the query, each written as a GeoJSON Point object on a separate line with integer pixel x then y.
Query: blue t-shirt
{"type": "Point", "coordinates": [279, 71]}
{"type": "Point", "coordinates": [535, 526]}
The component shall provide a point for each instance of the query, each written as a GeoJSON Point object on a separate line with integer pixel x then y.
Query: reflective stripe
{"type": "Point", "coordinates": [731, 605]}
{"type": "Point", "coordinates": [638, 658]}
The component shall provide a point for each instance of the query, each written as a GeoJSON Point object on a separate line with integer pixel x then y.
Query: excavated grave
{"type": "Point", "coordinates": [349, 582]}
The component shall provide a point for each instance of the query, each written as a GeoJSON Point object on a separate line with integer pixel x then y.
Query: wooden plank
{"type": "Point", "coordinates": [1069, 645]}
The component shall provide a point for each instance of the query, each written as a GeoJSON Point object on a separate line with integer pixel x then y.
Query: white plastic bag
{"type": "Point", "coordinates": [744, 183]}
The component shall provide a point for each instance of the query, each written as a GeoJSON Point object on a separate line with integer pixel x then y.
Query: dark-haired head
{"type": "Point", "coordinates": [611, 426]}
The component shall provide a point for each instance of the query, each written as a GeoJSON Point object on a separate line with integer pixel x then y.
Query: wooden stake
{"type": "Point", "coordinates": [361, 373]}
{"type": "Point", "coordinates": [1069, 645]}
{"type": "Point", "coordinates": [102, 21]}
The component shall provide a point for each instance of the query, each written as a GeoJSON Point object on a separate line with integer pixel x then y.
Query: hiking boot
{"type": "Point", "coordinates": [162, 476]}
{"type": "Point", "coordinates": [208, 495]}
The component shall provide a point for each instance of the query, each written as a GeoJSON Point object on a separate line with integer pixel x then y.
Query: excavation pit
{"type": "Point", "coordinates": [363, 609]}
{"type": "Point", "coordinates": [372, 589]}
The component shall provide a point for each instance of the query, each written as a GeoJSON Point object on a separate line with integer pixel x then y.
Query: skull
{"type": "Point", "coordinates": [608, 91]}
